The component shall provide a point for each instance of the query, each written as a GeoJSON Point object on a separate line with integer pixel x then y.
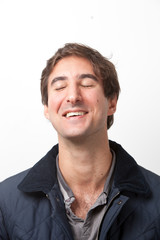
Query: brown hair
{"type": "Point", "coordinates": [102, 67]}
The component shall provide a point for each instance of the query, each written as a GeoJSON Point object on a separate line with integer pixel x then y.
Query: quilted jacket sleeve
{"type": "Point", "coordinates": [158, 228]}
{"type": "Point", "coordinates": [3, 233]}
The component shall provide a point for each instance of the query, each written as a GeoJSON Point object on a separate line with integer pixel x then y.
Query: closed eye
{"type": "Point", "coordinates": [88, 86]}
{"type": "Point", "coordinates": [88, 81]}
{"type": "Point", "coordinates": [59, 88]}
{"type": "Point", "coordinates": [59, 85]}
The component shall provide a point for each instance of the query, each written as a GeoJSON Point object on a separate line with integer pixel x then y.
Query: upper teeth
{"type": "Point", "coordinates": [75, 114]}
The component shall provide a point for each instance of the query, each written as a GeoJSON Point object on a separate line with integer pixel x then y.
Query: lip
{"type": "Point", "coordinates": [75, 110]}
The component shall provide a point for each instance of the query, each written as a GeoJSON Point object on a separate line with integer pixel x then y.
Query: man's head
{"type": "Point", "coordinates": [102, 68]}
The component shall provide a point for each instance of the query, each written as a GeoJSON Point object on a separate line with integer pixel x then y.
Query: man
{"type": "Point", "coordinates": [86, 187]}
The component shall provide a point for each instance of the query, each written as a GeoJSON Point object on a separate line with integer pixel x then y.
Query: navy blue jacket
{"type": "Point", "coordinates": [32, 207]}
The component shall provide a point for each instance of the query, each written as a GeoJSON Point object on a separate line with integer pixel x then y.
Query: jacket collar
{"type": "Point", "coordinates": [42, 176]}
{"type": "Point", "coordinates": [127, 177]}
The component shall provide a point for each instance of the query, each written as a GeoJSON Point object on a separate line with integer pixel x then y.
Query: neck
{"type": "Point", "coordinates": [85, 164]}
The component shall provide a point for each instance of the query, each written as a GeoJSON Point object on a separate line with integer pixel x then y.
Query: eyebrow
{"type": "Point", "coordinates": [81, 76]}
{"type": "Point", "coordinates": [60, 78]}
{"type": "Point", "coordinates": [88, 75]}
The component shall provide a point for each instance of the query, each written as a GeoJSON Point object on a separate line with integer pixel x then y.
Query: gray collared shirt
{"type": "Point", "coordinates": [88, 228]}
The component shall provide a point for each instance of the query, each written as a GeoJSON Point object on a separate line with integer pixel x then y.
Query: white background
{"type": "Point", "coordinates": [127, 31]}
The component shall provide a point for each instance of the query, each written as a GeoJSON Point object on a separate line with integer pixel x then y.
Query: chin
{"type": "Point", "coordinates": [74, 136]}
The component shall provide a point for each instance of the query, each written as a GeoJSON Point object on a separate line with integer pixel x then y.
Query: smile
{"type": "Point", "coordinates": [73, 114]}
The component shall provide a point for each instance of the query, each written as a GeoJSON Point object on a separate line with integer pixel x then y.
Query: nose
{"type": "Point", "coordinates": [73, 95]}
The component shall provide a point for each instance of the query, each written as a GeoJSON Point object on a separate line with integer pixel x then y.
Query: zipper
{"type": "Point", "coordinates": [106, 211]}
{"type": "Point", "coordinates": [47, 196]}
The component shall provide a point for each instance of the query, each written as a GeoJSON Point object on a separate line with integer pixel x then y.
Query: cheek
{"type": "Point", "coordinates": [97, 102]}
{"type": "Point", "coordinates": [102, 105]}
{"type": "Point", "coordinates": [54, 103]}
{"type": "Point", "coordinates": [100, 99]}
{"type": "Point", "coordinates": [97, 96]}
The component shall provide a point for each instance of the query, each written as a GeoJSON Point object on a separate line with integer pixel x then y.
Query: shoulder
{"type": "Point", "coordinates": [153, 201]}
{"type": "Point", "coordinates": [15, 205]}
{"type": "Point", "coordinates": [9, 193]}
{"type": "Point", "coordinates": [10, 184]}
{"type": "Point", "coordinates": [152, 178]}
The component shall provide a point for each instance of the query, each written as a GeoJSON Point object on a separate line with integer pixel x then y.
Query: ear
{"type": "Point", "coordinates": [112, 104]}
{"type": "Point", "coordinates": [46, 113]}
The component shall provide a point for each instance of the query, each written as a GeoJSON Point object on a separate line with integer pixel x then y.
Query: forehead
{"type": "Point", "coordinates": [72, 65]}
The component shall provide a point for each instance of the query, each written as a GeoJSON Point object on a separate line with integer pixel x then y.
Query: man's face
{"type": "Point", "coordinates": [77, 106]}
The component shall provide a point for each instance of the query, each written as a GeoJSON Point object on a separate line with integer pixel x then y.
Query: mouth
{"type": "Point", "coordinates": [75, 114]}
